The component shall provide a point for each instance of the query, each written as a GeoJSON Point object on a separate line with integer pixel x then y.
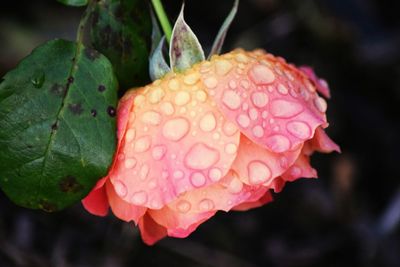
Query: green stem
{"type": "Point", "coordinates": [162, 17]}
{"type": "Point", "coordinates": [82, 24]}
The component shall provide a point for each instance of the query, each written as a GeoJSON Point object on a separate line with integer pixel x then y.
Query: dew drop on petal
{"type": "Point", "coordinates": [144, 171]}
{"type": "Point", "coordinates": [261, 75]}
{"type": "Point", "coordinates": [222, 67]}
{"type": "Point", "coordinates": [243, 120]}
{"type": "Point", "coordinates": [142, 144]}
{"type": "Point", "coordinates": [320, 104]}
{"type": "Point", "coordinates": [229, 128]}
{"type": "Point", "coordinates": [285, 109]}
{"type": "Point", "coordinates": [198, 179]}
{"type": "Point", "coordinates": [235, 186]}
{"type": "Point", "coordinates": [175, 129]}
{"type": "Point", "coordinates": [258, 131]}
{"type": "Point", "coordinates": [183, 206]}
{"type": "Point", "coordinates": [211, 82]}
{"type": "Point", "coordinates": [120, 188]}
{"type": "Point", "coordinates": [158, 152]}
{"type": "Point", "coordinates": [230, 148]}
{"type": "Point", "coordinates": [156, 95]}
{"type": "Point", "coordinates": [299, 129]}
{"type": "Point", "coordinates": [215, 174]}
{"type": "Point", "coordinates": [130, 163]}
{"type": "Point", "coordinates": [130, 135]}
{"type": "Point", "coordinates": [173, 84]}
{"type": "Point", "coordinates": [182, 98]}
{"type": "Point", "coordinates": [282, 89]}
{"type": "Point", "coordinates": [259, 99]}
{"type": "Point", "coordinates": [206, 205]}
{"type": "Point", "coordinates": [278, 143]}
{"type": "Point", "coordinates": [295, 171]}
{"type": "Point", "coordinates": [201, 156]}
{"type": "Point", "coordinates": [258, 172]}
{"type": "Point", "coordinates": [178, 174]}
{"type": "Point", "coordinates": [192, 78]}
{"type": "Point", "coordinates": [231, 99]}
{"type": "Point", "coordinates": [201, 96]}
{"type": "Point", "coordinates": [208, 122]}
{"type": "Point", "coordinates": [253, 114]}
{"type": "Point", "coordinates": [139, 198]}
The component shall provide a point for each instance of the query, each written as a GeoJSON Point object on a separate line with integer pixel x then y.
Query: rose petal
{"type": "Point", "coordinates": [300, 169]}
{"type": "Point", "coordinates": [176, 141]}
{"type": "Point", "coordinates": [320, 84]}
{"type": "Point", "coordinates": [121, 209]}
{"type": "Point", "coordinates": [321, 143]}
{"type": "Point", "coordinates": [96, 202]}
{"type": "Point", "coordinates": [264, 199]}
{"type": "Point", "coordinates": [151, 231]}
{"type": "Point", "coordinates": [266, 98]}
{"type": "Point", "coordinates": [256, 165]}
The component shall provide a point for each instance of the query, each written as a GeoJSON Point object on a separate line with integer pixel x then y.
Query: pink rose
{"type": "Point", "coordinates": [219, 136]}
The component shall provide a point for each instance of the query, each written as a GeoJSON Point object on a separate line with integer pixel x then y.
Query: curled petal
{"type": "Point", "coordinates": [121, 209]}
{"type": "Point", "coordinates": [96, 202]}
{"type": "Point", "coordinates": [176, 141]}
{"type": "Point", "coordinates": [320, 84]}
{"type": "Point", "coordinates": [268, 99]}
{"type": "Point", "coordinates": [321, 142]}
{"type": "Point", "coordinates": [256, 165]}
{"type": "Point", "coordinates": [151, 231]}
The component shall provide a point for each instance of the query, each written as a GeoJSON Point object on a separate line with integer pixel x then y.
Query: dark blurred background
{"type": "Point", "coordinates": [348, 217]}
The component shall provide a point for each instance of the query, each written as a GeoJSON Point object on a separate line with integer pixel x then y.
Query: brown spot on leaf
{"type": "Point", "coordinates": [70, 80]}
{"type": "Point", "coordinates": [54, 126]}
{"type": "Point", "coordinates": [58, 89]}
{"type": "Point", "coordinates": [111, 111]}
{"type": "Point", "coordinates": [76, 108]}
{"type": "Point", "coordinates": [47, 206]}
{"type": "Point", "coordinates": [101, 88]}
{"type": "Point", "coordinates": [69, 184]}
{"type": "Point", "coordinates": [93, 112]}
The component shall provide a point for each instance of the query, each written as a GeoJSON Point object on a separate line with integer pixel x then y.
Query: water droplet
{"type": "Point", "coordinates": [120, 188]}
{"type": "Point", "coordinates": [175, 129]}
{"type": "Point", "coordinates": [215, 174]}
{"type": "Point", "coordinates": [130, 135]}
{"type": "Point", "coordinates": [253, 114]}
{"type": "Point", "coordinates": [231, 148]}
{"type": "Point", "coordinates": [261, 75]}
{"type": "Point", "coordinates": [38, 79]}
{"type": "Point", "coordinates": [285, 109]}
{"type": "Point", "coordinates": [183, 206]}
{"type": "Point", "coordinates": [167, 108]}
{"type": "Point", "coordinates": [158, 152]}
{"type": "Point", "coordinates": [243, 120]}
{"type": "Point", "coordinates": [235, 186]}
{"type": "Point", "coordinates": [144, 171]}
{"type": "Point", "coordinates": [278, 143]}
{"type": "Point", "coordinates": [152, 184]}
{"type": "Point", "coordinates": [258, 172]}
{"type": "Point", "coordinates": [211, 82]}
{"type": "Point", "coordinates": [182, 98]}
{"type": "Point", "coordinates": [282, 89]}
{"type": "Point", "coordinates": [231, 99]}
{"type": "Point", "coordinates": [198, 179]}
{"type": "Point", "coordinates": [208, 122]}
{"type": "Point", "coordinates": [259, 99]}
{"type": "Point", "coordinates": [245, 84]}
{"type": "Point", "coordinates": [151, 117]}
{"type": "Point", "coordinates": [139, 198]}
{"type": "Point", "coordinates": [229, 128]}
{"type": "Point", "coordinates": [142, 144]}
{"type": "Point", "coordinates": [222, 67]}
{"type": "Point", "coordinates": [299, 129]}
{"type": "Point", "coordinates": [130, 163]}
{"type": "Point", "coordinates": [295, 171]}
{"type": "Point", "coordinates": [173, 84]}
{"type": "Point", "coordinates": [206, 205]}
{"type": "Point", "coordinates": [320, 104]}
{"type": "Point", "coordinates": [192, 78]}
{"type": "Point", "coordinates": [201, 96]}
{"type": "Point", "coordinates": [242, 58]}
{"type": "Point", "coordinates": [156, 95]}
{"type": "Point", "coordinates": [258, 131]}
{"type": "Point", "coordinates": [201, 156]}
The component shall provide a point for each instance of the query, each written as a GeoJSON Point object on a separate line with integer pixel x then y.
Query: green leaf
{"type": "Point", "coordinates": [185, 49]}
{"type": "Point", "coordinates": [219, 40]}
{"type": "Point", "coordinates": [121, 30]}
{"type": "Point", "coordinates": [74, 2]}
{"type": "Point", "coordinates": [158, 66]}
{"type": "Point", "coordinates": [57, 125]}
